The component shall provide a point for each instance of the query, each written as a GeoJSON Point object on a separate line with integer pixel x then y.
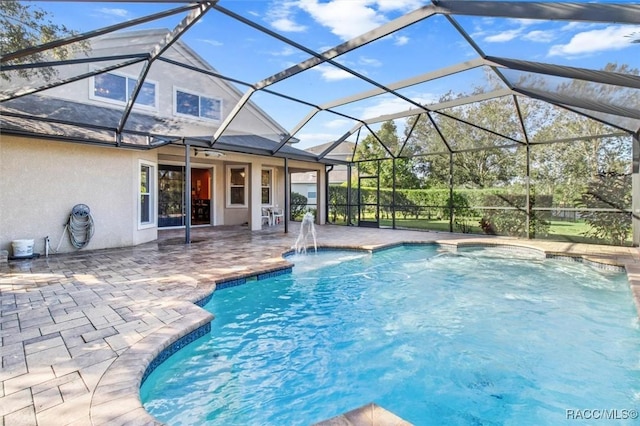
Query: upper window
{"type": "Point", "coordinates": [267, 187]}
{"type": "Point", "coordinates": [194, 105]}
{"type": "Point", "coordinates": [236, 186]}
{"type": "Point", "coordinates": [119, 88]}
{"type": "Point", "coordinates": [146, 216]}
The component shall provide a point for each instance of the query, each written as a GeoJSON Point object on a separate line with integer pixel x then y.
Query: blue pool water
{"type": "Point", "coordinates": [479, 337]}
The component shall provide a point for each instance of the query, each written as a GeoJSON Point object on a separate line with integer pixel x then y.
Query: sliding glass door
{"type": "Point", "coordinates": [171, 196]}
{"type": "Point", "coordinates": [171, 205]}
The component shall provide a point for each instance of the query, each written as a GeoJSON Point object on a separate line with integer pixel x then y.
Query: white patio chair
{"type": "Point", "coordinates": [266, 216]}
{"type": "Point", "coordinates": [277, 216]}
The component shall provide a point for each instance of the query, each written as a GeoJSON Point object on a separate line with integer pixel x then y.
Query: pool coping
{"type": "Point", "coordinates": [116, 399]}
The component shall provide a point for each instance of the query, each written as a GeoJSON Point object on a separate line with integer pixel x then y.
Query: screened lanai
{"type": "Point", "coordinates": [508, 118]}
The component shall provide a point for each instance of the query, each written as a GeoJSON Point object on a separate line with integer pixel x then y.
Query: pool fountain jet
{"type": "Point", "coordinates": [307, 227]}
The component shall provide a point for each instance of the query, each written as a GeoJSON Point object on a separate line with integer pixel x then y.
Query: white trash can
{"type": "Point", "coordinates": [22, 248]}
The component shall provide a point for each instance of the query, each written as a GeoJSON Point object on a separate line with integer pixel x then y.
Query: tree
{"type": "Point", "coordinates": [371, 149]}
{"type": "Point", "coordinates": [23, 26]}
{"type": "Point", "coordinates": [473, 167]}
{"type": "Point", "coordinates": [566, 169]}
{"type": "Point", "coordinates": [298, 206]}
{"type": "Point", "coordinates": [608, 191]}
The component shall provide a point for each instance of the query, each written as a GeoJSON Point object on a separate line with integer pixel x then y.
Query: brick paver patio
{"type": "Point", "coordinates": [78, 330]}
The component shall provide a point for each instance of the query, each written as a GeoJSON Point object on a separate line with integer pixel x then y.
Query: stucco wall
{"type": "Point", "coordinates": [42, 181]}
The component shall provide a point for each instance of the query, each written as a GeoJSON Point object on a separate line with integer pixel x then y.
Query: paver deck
{"type": "Point", "coordinates": [78, 330]}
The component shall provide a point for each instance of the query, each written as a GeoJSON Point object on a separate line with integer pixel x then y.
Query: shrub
{"type": "Point", "coordinates": [298, 206]}
{"type": "Point", "coordinates": [608, 191]}
{"type": "Point", "coordinates": [513, 220]}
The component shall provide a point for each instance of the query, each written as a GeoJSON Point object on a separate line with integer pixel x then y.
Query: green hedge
{"type": "Point", "coordinates": [434, 204]}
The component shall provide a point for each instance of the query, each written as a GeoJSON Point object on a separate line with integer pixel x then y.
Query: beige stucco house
{"type": "Point", "coordinates": [153, 169]}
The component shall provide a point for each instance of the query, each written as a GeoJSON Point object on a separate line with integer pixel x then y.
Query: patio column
{"type": "Point", "coordinates": [322, 196]}
{"type": "Point", "coordinates": [255, 195]}
{"type": "Point", "coordinates": [187, 193]}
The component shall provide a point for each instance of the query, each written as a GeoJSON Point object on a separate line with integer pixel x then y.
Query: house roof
{"type": "Point", "coordinates": [611, 97]}
{"type": "Point", "coordinates": [56, 117]}
{"type": "Point", "coordinates": [343, 151]}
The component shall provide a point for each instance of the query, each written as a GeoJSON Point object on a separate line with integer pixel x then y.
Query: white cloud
{"type": "Point", "coordinates": [331, 73]}
{"type": "Point", "coordinates": [338, 123]}
{"type": "Point", "coordinates": [281, 16]}
{"type": "Point", "coordinates": [401, 40]}
{"type": "Point", "coordinates": [286, 51]}
{"type": "Point", "coordinates": [587, 42]}
{"type": "Point", "coordinates": [539, 36]}
{"type": "Point", "coordinates": [310, 139]}
{"type": "Point", "coordinates": [287, 25]}
{"type": "Point", "coordinates": [524, 22]}
{"type": "Point", "coordinates": [390, 105]}
{"type": "Point", "coordinates": [351, 18]}
{"type": "Point", "coordinates": [400, 5]}
{"type": "Point", "coordinates": [573, 26]}
{"type": "Point", "coordinates": [504, 36]}
{"type": "Point", "coordinates": [120, 13]}
{"type": "Point", "coordinates": [215, 43]}
{"type": "Point", "coordinates": [371, 62]}
{"type": "Point", "coordinates": [345, 19]}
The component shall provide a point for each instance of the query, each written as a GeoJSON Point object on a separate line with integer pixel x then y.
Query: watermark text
{"type": "Point", "coordinates": [601, 414]}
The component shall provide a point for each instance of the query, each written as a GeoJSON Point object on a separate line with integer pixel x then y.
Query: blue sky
{"type": "Point", "coordinates": [242, 52]}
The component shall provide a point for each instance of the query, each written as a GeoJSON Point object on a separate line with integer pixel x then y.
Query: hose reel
{"type": "Point", "coordinates": [80, 226]}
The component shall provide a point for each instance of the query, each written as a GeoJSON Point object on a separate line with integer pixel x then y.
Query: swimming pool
{"type": "Point", "coordinates": [482, 336]}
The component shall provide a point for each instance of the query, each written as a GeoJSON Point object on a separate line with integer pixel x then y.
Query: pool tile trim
{"type": "Point", "coordinates": [174, 347]}
{"type": "Point", "coordinates": [113, 401]}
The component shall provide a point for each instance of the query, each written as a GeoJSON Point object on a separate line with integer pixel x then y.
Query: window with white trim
{"type": "Point", "coordinates": [194, 105]}
{"type": "Point", "coordinates": [267, 187]}
{"type": "Point", "coordinates": [312, 195]}
{"type": "Point", "coordinates": [236, 186]}
{"type": "Point", "coordinates": [147, 201]}
{"type": "Point", "coordinates": [118, 88]}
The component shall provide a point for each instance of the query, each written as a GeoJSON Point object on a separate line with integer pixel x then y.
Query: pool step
{"type": "Point", "coordinates": [367, 415]}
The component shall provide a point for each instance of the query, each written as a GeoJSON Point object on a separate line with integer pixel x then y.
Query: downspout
{"type": "Point", "coordinates": [326, 194]}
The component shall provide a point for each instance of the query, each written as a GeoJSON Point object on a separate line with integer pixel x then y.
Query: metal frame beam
{"type": "Point", "coordinates": [317, 58]}
{"type": "Point", "coordinates": [557, 11]}
{"type": "Point", "coordinates": [30, 91]}
{"type": "Point", "coordinates": [587, 104]}
{"type": "Point", "coordinates": [423, 78]}
{"type": "Point", "coordinates": [87, 35]}
{"type": "Point", "coordinates": [186, 23]}
{"type": "Point", "coordinates": [439, 106]}
{"type": "Point", "coordinates": [605, 77]}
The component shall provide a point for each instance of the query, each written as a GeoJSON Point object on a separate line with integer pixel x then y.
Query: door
{"type": "Point", "coordinates": [171, 196]}
{"type": "Point", "coordinates": [368, 202]}
{"type": "Point", "coordinates": [201, 196]}
{"type": "Point", "coordinates": [171, 180]}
